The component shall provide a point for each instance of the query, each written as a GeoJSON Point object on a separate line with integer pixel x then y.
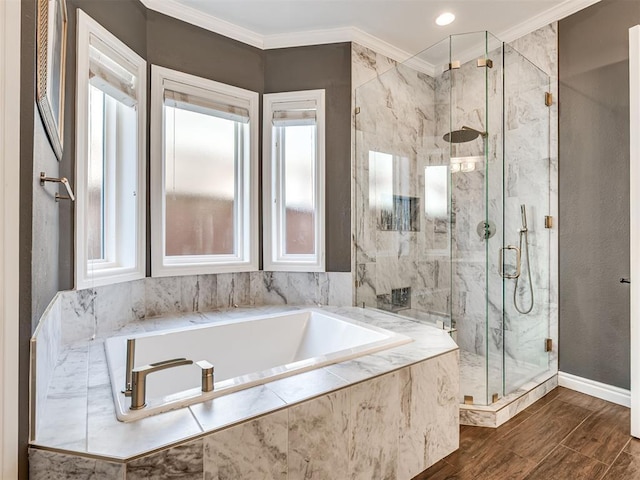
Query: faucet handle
{"type": "Point", "coordinates": [139, 379]}
{"type": "Point", "coordinates": [207, 375]}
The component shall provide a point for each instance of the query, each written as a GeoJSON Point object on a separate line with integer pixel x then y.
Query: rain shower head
{"type": "Point", "coordinates": [465, 134]}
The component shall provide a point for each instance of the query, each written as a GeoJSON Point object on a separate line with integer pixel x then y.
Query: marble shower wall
{"type": "Point", "coordinates": [396, 244]}
{"type": "Point", "coordinates": [403, 115]}
{"type": "Point", "coordinates": [392, 426]}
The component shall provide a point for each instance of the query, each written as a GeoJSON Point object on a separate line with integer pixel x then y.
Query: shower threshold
{"type": "Point", "coordinates": [508, 407]}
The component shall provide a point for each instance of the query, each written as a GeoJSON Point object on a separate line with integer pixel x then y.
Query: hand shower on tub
{"type": "Point", "coordinates": [524, 235]}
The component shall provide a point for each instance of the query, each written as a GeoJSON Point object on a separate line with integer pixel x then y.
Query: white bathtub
{"type": "Point", "coordinates": [244, 353]}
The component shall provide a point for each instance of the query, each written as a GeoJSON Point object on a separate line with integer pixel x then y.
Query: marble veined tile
{"type": "Point", "coordinates": [373, 444]}
{"type": "Point", "coordinates": [78, 314]}
{"type": "Point", "coordinates": [184, 462]}
{"type": "Point", "coordinates": [256, 449]}
{"type": "Point", "coordinates": [235, 407]}
{"type": "Point", "coordinates": [206, 293]}
{"type": "Point", "coordinates": [340, 292]}
{"type": "Point", "coordinates": [319, 437]}
{"type": "Point", "coordinates": [107, 436]}
{"type": "Point", "coordinates": [117, 305]}
{"type": "Point", "coordinates": [170, 295]}
{"type": "Point", "coordinates": [46, 465]}
{"type": "Point", "coordinates": [305, 385]}
{"type": "Point", "coordinates": [428, 423]}
{"type": "Point", "coordinates": [65, 409]}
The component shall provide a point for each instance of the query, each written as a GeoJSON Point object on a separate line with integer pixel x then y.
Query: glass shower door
{"type": "Point", "coordinates": [527, 170]}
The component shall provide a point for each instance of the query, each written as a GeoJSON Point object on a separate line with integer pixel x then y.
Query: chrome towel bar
{"type": "Point", "coordinates": [63, 181]}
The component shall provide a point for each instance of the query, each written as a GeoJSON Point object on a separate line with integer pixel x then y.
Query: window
{"type": "Point", "coordinates": [110, 166]}
{"type": "Point", "coordinates": [293, 185]}
{"type": "Point", "coordinates": [204, 175]}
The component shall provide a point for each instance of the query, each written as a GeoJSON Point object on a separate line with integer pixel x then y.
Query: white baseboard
{"type": "Point", "coordinates": [603, 391]}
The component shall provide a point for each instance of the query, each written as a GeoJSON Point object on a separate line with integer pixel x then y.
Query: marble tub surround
{"type": "Point", "coordinates": [393, 426]}
{"type": "Point", "coordinates": [77, 316]}
{"type": "Point", "coordinates": [428, 364]}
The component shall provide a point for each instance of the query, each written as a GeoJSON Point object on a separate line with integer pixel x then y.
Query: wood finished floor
{"type": "Point", "coordinates": [564, 435]}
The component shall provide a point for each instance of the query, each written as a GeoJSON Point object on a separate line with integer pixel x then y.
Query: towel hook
{"type": "Point", "coordinates": [63, 181]}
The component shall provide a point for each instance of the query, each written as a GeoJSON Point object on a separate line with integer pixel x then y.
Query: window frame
{"type": "Point", "coordinates": [93, 273]}
{"type": "Point", "coordinates": [247, 231]}
{"type": "Point", "coordinates": [274, 258]}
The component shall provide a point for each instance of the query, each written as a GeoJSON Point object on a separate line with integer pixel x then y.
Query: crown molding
{"type": "Point", "coordinates": [345, 34]}
{"type": "Point", "coordinates": [311, 37]}
{"type": "Point", "coordinates": [554, 14]}
{"type": "Point", "coordinates": [195, 17]}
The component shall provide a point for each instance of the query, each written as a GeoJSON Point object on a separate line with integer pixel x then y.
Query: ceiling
{"type": "Point", "coordinates": [397, 28]}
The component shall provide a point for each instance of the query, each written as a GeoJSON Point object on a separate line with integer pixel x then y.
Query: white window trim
{"type": "Point", "coordinates": [86, 277]}
{"type": "Point", "coordinates": [634, 124]}
{"type": "Point", "coordinates": [162, 266]}
{"type": "Point", "coordinates": [292, 263]}
{"type": "Point", "coordinates": [9, 234]}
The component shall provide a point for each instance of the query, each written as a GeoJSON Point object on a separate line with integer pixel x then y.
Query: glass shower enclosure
{"type": "Point", "coordinates": [452, 202]}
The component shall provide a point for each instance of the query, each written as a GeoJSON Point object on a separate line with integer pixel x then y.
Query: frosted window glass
{"type": "Point", "coordinates": [95, 172]}
{"type": "Point", "coordinates": [200, 183]}
{"type": "Point", "coordinates": [299, 166]}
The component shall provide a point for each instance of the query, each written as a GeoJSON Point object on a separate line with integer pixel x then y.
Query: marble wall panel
{"type": "Point", "coordinates": [320, 425]}
{"type": "Point", "coordinates": [427, 422]}
{"type": "Point", "coordinates": [45, 348]}
{"type": "Point", "coordinates": [373, 446]}
{"type": "Point", "coordinates": [64, 401]}
{"type": "Point", "coordinates": [256, 449]}
{"type": "Point", "coordinates": [183, 462]}
{"type": "Point", "coordinates": [45, 465]}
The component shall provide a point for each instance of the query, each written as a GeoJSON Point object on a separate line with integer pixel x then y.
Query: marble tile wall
{"type": "Point", "coordinates": [47, 350]}
{"type": "Point", "coordinates": [393, 143]}
{"type": "Point", "coordinates": [403, 113]}
{"type": "Point", "coordinates": [390, 427]}
{"type": "Point", "coordinates": [93, 312]}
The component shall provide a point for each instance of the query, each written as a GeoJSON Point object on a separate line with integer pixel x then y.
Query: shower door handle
{"type": "Point", "coordinates": [501, 262]}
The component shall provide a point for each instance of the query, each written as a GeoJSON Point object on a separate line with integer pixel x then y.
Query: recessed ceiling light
{"type": "Point", "coordinates": [445, 19]}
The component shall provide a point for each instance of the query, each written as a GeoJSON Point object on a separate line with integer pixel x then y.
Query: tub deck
{"type": "Point", "coordinates": [78, 416]}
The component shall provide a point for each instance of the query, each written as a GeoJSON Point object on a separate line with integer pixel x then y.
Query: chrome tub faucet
{"type": "Point", "coordinates": [139, 379]}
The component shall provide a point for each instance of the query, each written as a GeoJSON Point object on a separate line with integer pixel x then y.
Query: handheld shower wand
{"type": "Point", "coordinates": [524, 233]}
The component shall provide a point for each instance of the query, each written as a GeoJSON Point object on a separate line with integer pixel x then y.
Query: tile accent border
{"type": "Point", "coordinates": [610, 393]}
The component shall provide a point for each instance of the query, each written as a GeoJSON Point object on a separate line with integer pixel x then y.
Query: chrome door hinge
{"type": "Point", "coordinates": [454, 65]}
{"type": "Point", "coordinates": [485, 62]}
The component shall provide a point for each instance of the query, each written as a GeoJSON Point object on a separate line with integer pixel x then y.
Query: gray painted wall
{"type": "Point", "coordinates": [328, 67]}
{"type": "Point", "coordinates": [594, 191]}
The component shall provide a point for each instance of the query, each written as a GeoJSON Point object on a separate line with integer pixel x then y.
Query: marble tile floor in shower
{"type": "Point", "coordinates": [473, 373]}
{"type": "Point", "coordinates": [565, 435]}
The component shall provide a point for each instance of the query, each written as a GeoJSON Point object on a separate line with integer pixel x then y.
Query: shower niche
{"type": "Point", "coordinates": [452, 186]}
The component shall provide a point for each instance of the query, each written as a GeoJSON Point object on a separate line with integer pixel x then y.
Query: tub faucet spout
{"type": "Point", "coordinates": [139, 379]}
